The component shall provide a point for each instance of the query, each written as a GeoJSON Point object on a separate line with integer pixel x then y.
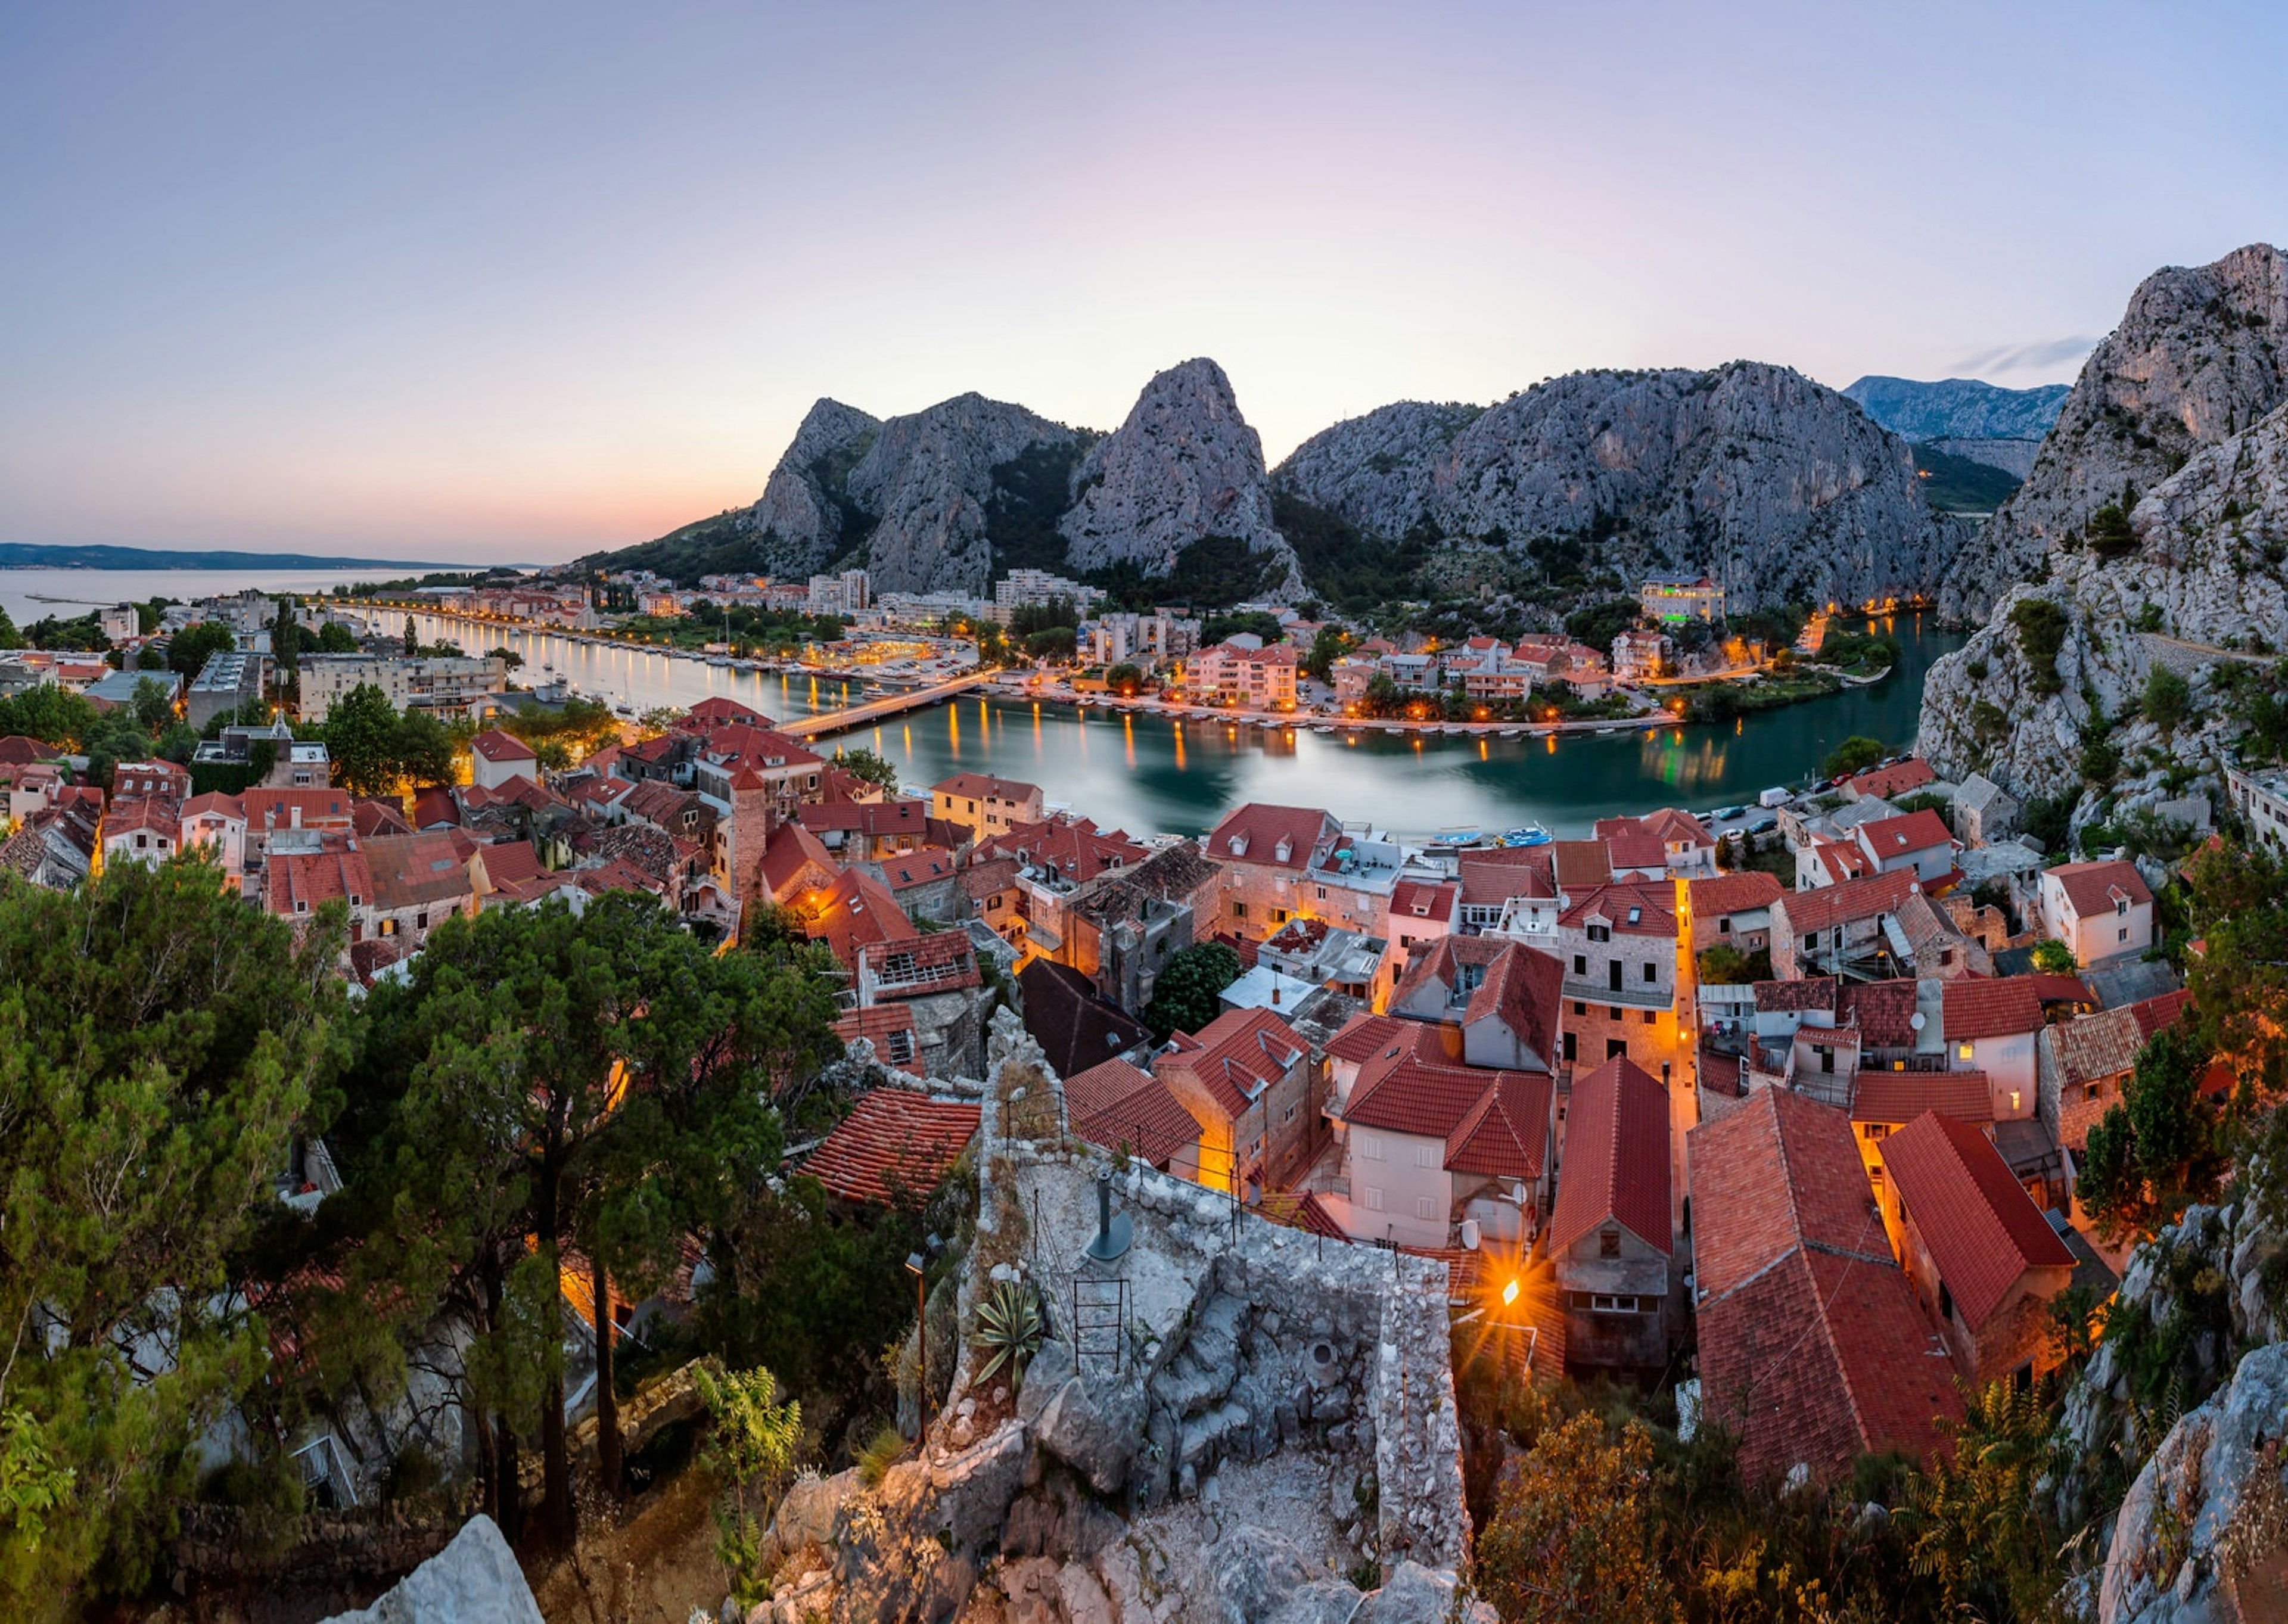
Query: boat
{"type": "Point", "coordinates": [1527, 835]}
{"type": "Point", "coordinates": [1458, 837]}
{"type": "Point", "coordinates": [722, 660]}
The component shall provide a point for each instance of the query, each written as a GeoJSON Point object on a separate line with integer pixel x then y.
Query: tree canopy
{"type": "Point", "coordinates": [1184, 998]}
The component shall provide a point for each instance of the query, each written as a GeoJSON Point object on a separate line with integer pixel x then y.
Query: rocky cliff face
{"type": "Point", "coordinates": [2208, 564]}
{"type": "Point", "coordinates": [1957, 407]}
{"type": "Point", "coordinates": [925, 484]}
{"type": "Point", "coordinates": [1184, 466]}
{"type": "Point", "coordinates": [799, 517]}
{"type": "Point", "coordinates": [2200, 355]}
{"type": "Point", "coordinates": [1768, 481]}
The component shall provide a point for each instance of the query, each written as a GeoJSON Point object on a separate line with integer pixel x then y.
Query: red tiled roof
{"type": "Point", "coordinates": [715, 712]}
{"type": "Point", "coordinates": [856, 913]}
{"type": "Point", "coordinates": [1489, 878]}
{"type": "Point", "coordinates": [1847, 903]}
{"type": "Point", "coordinates": [791, 854]}
{"type": "Point", "coordinates": [214, 803]}
{"type": "Point", "coordinates": [2157, 1015]}
{"type": "Point", "coordinates": [926, 963]}
{"type": "Point", "coordinates": [1670, 823]}
{"type": "Point", "coordinates": [1883, 1011]}
{"type": "Point", "coordinates": [1918, 831]}
{"type": "Point", "coordinates": [1636, 850]}
{"type": "Point", "coordinates": [1115, 1104]}
{"type": "Point", "coordinates": [1616, 1158]}
{"type": "Point", "coordinates": [1364, 1036]}
{"type": "Point", "coordinates": [1505, 1135]}
{"type": "Point", "coordinates": [1810, 992]}
{"type": "Point", "coordinates": [1235, 1057]}
{"type": "Point", "coordinates": [276, 809]}
{"type": "Point", "coordinates": [1839, 858]}
{"type": "Point", "coordinates": [1900, 1096]}
{"type": "Point", "coordinates": [892, 1139]}
{"type": "Point", "coordinates": [1522, 986]}
{"type": "Point", "coordinates": [1644, 908]}
{"type": "Point", "coordinates": [1072, 847]}
{"type": "Point", "coordinates": [435, 806]}
{"type": "Point", "coordinates": [1575, 864]}
{"type": "Point", "coordinates": [2062, 989]}
{"type": "Point", "coordinates": [1812, 1347]}
{"type": "Point", "coordinates": [1422, 899]}
{"type": "Point", "coordinates": [315, 877]}
{"type": "Point", "coordinates": [371, 816]}
{"type": "Point", "coordinates": [2091, 887]}
{"type": "Point", "coordinates": [1733, 893]}
{"type": "Point", "coordinates": [922, 866]}
{"type": "Point", "coordinates": [877, 1025]}
{"type": "Point", "coordinates": [1980, 1007]}
{"type": "Point", "coordinates": [496, 746]}
{"type": "Point", "coordinates": [1983, 1230]}
{"type": "Point", "coordinates": [511, 865]}
{"type": "Point", "coordinates": [985, 786]}
{"type": "Point", "coordinates": [1897, 779]}
{"type": "Point", "coordinates": [1252, 834]}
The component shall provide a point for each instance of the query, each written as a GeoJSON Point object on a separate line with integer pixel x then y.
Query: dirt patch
{"type": "Point", "coordinates": [651, 1561]}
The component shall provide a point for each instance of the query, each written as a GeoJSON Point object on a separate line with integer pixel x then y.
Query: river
{"type": "Point", "coordinates": [1151, 773]}
{"type": "Point", "coordinates": [1148, 773]}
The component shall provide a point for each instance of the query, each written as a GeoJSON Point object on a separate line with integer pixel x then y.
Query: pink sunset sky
{"type": "Point", "coordinates": [516, 281]}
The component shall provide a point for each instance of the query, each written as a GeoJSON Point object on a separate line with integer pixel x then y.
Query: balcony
{"type": "Point", "coordinates": [1638, 998]}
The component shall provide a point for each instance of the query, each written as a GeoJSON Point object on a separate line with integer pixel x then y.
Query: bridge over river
{"type": "Point", "coordinates": [875, 710]}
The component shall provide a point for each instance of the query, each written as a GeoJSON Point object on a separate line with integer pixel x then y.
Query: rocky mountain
{"type": "Point", "coordinates": [1957, 407]}
{"type": "Point", "coordinates": [1185, 466]}
{"type": "Point", "coordinates": [1753, 474]}
{"type": "Point", "coordinates": [2198, 356]}
{"type": "Point", "coordinates": [2014, 457]}
{"type": "Point", "coordinates": [801, 515]}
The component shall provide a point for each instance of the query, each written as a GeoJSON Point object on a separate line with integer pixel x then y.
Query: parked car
{"type": "Point", "coordinates": [1725, 814]}
{"type": "Point", "coordinates": [1774, 797]}
{"type": "Point", "coordinates": [1764, 825]}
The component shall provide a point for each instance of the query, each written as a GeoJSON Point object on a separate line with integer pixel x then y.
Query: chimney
{"type": "Point", "coordinates": [1275, 992]}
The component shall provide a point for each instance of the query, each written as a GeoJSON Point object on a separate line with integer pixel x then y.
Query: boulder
{"type": "Point", "coordinates": [473, 1581]}
{"type": "Point", "coordinates": [1258, 1572]}
{"type": "Point", "coordinates": [1413, 1593]}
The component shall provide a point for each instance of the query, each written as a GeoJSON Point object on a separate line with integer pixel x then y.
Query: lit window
{"type": "Point", "coordinates": [1963, 1051]}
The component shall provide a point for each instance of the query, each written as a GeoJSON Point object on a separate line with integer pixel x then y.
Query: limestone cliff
{"type": "Point", "coordinates": [1957, 407]}
{"type": "Point", "coordinates": [798, 519]}
{"type": "Point", "coordinates": [2200, 566]}
{"type": "Point", "coordinates": [1754, 474]}
{"type": "Point", "coordinates": [1185, 466]}
{"type": "Point", "coordinates": [925, 486]}
{"type": "Point", "coordinates": [2199, 357]}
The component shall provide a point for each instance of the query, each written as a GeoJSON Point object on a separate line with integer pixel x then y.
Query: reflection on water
{"type": "Point", "coordinates": [1146, 772]}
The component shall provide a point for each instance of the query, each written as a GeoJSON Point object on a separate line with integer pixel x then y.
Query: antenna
{"type": "Point", "coordinates": [1112, 1229]}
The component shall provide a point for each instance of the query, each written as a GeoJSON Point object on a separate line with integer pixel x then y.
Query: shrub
{"type": "Point", "coordinates": [875, 1461]}
{"type": "Point", "coordinates": [1855, 753]}
{"type": "Point", "coordinates": [2168, 697]}
{"type": "Point", "coordinates": [2041, 626]}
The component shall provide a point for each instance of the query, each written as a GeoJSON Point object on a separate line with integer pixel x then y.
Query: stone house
{"type": "Point", "coordinates": [1258, 1095]}
{"type": "Point", "coordinates": [1733, 910]}
{"type": "Point", "coordinates": [1122, 927]}
{"type": "Point", "coordinates": [1121, 1107]}
{"type": "Point", "coordinates": [1617, 944]}
{"type": "Point", "coordinates": [140, 828]}
{"type": "Point", "coordinates": [2083, 1064]}
{"type": "Point", "coordinates": [1983, 1261]}
{"type": "Point", "coordinates": [1611, 1233]}
{"type": "Point", "coordinates": [1818, 932]}
{"type": "Point", "coordinates": [1282, 861]}
{"type": "Point", "coordinates": [1502, 998]}
{"type": "Point", "coordinates": [1918, 842]}
{"type": "Point", "coordinates": [1984, 812]}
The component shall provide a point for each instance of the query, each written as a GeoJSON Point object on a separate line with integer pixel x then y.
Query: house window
{"type": "Point", "coordinates": [2122, 935]}
{"type": "Point", "coordinates": [1811, 941]}
{"type": "Point", "coordinates": [1964, 1051]}
{"type": "Point", "coordinates": [356, 900]}
{"type": "Point", "coordinates": [1290, 1116]}
{"type": "Point", "coordinates": [1827, 1061]}
{"type": "Point", "coordinates": [1422, 1156]}
{"type": "Point", "coordinates": [1238, 910]}
{"type": "Point", "coordinates": [1373, 1199]}
{"type": "Point", "coordinates": [1652, 973]}
{"type": "Point", "coordinates": [1423, 1208]}
{"type": "Point", "coordinates": [1321, 889]}
{"type": "Point", "coordinates": [1724, 926]}
{"type": "Point", "coordinates": [1579, 1008]}
{"type": "Point", "coordinates": [1369, 1147]}
{"type": "Point", "coordinates": [901, 1047]}
{"type": "Point", "coordinates": [1650, 1016]}
{"type": "Point", "coordinates": [1580, 965]}
{"type": "Point", "coordinates": [421, 920]}
{"type": "Point", "coordinates": [1606, 1302]}
{"type": "Point", "coordinates": [1279, 915]}
{"type": "Point", "coordinates": [1874, 1131]}
{"type": "Point", "coordinates": [2091, 1090]}
{"type": "Point", "coordinates": [301, 907]}
{"type": "Point", "coordinates": [1600, 933]}
{"type": "Point", "coordinates": [2016, 1098]}
{"type": "Point", "coordinates": [1608, 1242]}
{"type": "Point", "coordinates": [1945, 1301]}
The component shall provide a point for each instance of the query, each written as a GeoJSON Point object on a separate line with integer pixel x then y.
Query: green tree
{"type": "Point", "coordinates": [1570, 1537]}
{"type": "Point", "coordinates": [2054, 957]}
{"type": "Point", "coordinates": [616, 1079]}
{"type": "Point", "coordinates": [159, 1044]}
{"type": "Point", "coordinates": [49, 714]}
{"type": "Point", "coordinates": [335, 638]}
{"type": "Point", "coordinates": [2168, 698]}
{"type": "Point", "coordinates": [1855, 755]}
{"type": "Point", "coordinates": [2108, 533]}
{"type": "Point", "coordinates": [362, 730]}
{"type": "Point", "coordinates": [1185, 996]}
{"type": "Point", "coordinates": [188, 651]}
{"type": "Point", "coordinates": [421, 749]}
{"type": "Point", "coordinates": [154, 706]}
{"type": "Point", "coordinates": [752, 1450]}
{"type": "Point", "coordinates": [10, 637]}
{"type": "Point", "coordinates": [1328, 645]}
{"type": "Point", "coordinates": [2154, 1151]}
{"type": "Point", "coordinates": [1976, 1529]}
{"type": "Point", "coordinates": [872, 767]}
{"type": "Point", "coordinates": [1056, 643]}
{"type": "Point", "coordinates": [1725, 965]}
{"type": "Point", "coordinates": [1126, 679]}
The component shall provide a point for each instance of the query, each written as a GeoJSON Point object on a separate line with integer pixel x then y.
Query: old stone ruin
{"type": "Point", "coordinates": [1224, 1419]}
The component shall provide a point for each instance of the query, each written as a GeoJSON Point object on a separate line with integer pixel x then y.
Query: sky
{"type": "Point", "coordinates": [516, 281]}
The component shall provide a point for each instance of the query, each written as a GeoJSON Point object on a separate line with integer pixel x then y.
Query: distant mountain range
{"type": "Point", "coordinates": [1959, 408]}
{"type": "Point", "coordinates": [1748, 471]}
{"type": "Point", "coordinates": [28, 555]}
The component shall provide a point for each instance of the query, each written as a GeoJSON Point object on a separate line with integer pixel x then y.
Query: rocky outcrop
{"type": "Point", "coordinates": [2014, 457]}
{"type": "Point", "coordinates": [2203, 564]}
{"type": "Point", "coordinates": [799, 517]}
{"type": "Point", "coordinates": [2202, 1537]}
{"type": "Point", "coordinates": [1753, 474]}
{"type": "Point", "coordinates": [1957, 407]}
{"type": "Point", "coordinates": [926, 485]}
{"type": "Point", "coordinates": [1185, 466]}
{"type": "Point", "coordinates": [2199, 357]}
{"type": "Point", "coordinates": [473, 1581]}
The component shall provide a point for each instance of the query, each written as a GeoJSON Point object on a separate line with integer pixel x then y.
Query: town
{"type": "Point", "coordinates": [1826, 1075]}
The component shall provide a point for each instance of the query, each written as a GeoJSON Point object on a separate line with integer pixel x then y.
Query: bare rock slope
{"type": "Point", "coordinates": [1773, 484]}
{"type": "Point", "coordinates": [2201, 354]}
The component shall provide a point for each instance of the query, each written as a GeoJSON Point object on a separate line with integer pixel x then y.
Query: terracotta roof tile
{"type": "Point", "coordinates": [496, 746]}
{"type": "Point", "coordinates": [1847, 903]}
{"type": "Point", "coordinates": [1733, 893]}
{"type": "Point", "coordinates": [1616, 1158]}
{"type": "Point", "coordinates": [1983, 1230]}
{"type": "Point", "coordinates": [2091, 888]}
{"type": "Point", "coordinates": [1917, 831]}
{"type": "Point", "coordinates": [895, 1141]}
{"type": "Point", "coordinates": [1254, 834]}
{"type": "Point", "coordinates": [1115, 1104]}
{"type": "Point", "coordinates": [1978, 1007]}
{"type": "Point", "coordinates": [1900, 1096]}
{"type": "Point", "coordinates": [1897, 779]}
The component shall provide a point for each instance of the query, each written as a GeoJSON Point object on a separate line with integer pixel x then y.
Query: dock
{"type": "Point", "coordinates": [875, 710]}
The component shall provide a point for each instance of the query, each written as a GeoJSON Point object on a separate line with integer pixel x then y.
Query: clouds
{"type": "Point", "coordinates": [2043, 355]}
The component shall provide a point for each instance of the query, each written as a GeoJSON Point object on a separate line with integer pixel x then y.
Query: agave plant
{"type": "Point", "coordinates": [1009, 1329]}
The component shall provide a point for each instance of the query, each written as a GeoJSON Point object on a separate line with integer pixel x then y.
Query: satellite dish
{"type": "Point", "coordinates": [1917, 1019]}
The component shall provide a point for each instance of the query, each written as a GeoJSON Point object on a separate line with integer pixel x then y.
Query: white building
{"type": "Point", "coordinates": [2101, 910]}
